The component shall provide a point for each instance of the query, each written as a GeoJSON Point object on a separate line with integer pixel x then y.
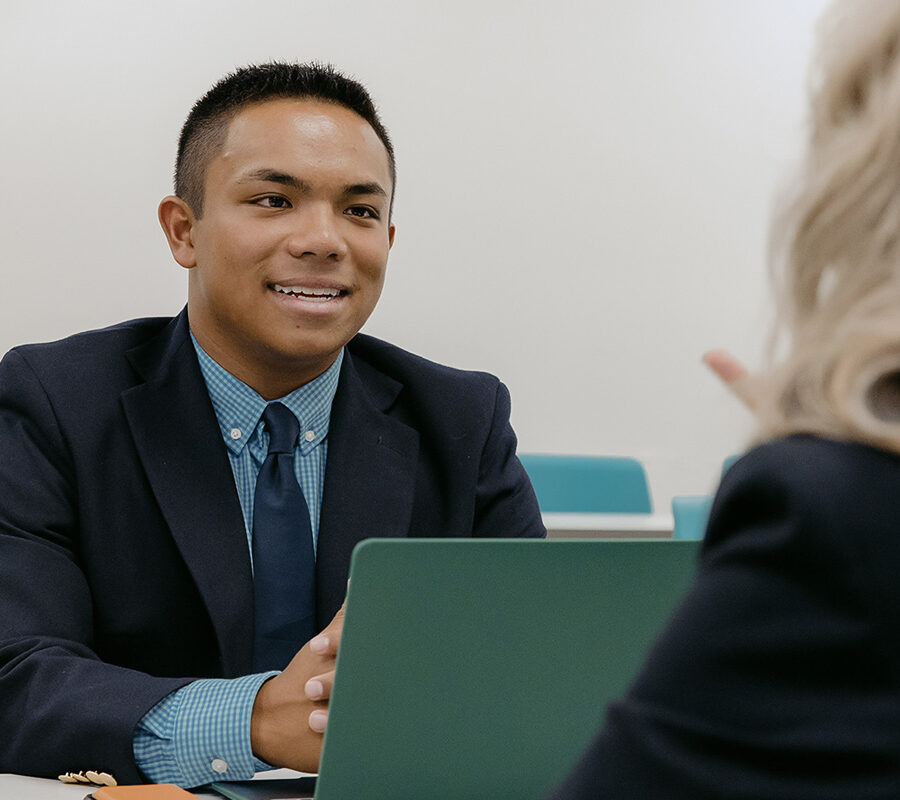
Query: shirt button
{"type": "Point", "coordinates": [309, 435]}
{"type": "Point", "coordinates": [235, 433]}
{"type": "Point", "coordinates": [219, 765]}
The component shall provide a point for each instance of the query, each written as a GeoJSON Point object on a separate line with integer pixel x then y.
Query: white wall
{"type": "Point", "coordinates": [584, 187]}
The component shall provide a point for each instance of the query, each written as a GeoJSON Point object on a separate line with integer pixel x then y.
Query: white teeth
{"type": "Point", "coordinates": [307, 292]}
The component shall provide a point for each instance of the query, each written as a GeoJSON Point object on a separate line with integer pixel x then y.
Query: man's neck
{"type": "Point", "coordinates": [269, 381]}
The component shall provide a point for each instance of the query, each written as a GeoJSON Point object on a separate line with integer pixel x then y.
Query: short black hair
{"type": "Point", "coordinates": [204, 131]}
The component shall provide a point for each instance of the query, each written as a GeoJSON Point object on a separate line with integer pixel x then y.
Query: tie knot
{"type": "Point", "coordinates": [282, 427]}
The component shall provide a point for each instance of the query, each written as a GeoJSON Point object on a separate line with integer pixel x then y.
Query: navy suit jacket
{"type": "Point", "coordinates": [124, 566]}
{"type": "Point", "coordinates": [779, 675]}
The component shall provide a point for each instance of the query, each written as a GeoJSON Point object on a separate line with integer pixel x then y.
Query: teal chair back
{"type": "Point", "coordinates": [729, 462]}
{"type": "Point", "coordinates": [607, 484]}
{"type": "Point", "coordinates": [690, 514]}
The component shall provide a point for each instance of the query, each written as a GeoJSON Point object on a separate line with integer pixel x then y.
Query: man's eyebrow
{"type": "Point", "coordinates": [364, 188]}
{"type": "Point", "coordinates": [274, 176]}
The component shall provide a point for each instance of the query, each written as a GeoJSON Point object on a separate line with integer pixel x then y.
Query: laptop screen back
{"type": "Point", "coordinates": [481, 668]}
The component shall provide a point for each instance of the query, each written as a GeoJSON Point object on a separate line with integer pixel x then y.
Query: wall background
{"type": "Point", "coordinates": [584, 187]}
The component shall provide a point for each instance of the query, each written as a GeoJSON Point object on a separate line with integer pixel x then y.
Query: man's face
{"type": "Point", "coordinates": [290, 252]}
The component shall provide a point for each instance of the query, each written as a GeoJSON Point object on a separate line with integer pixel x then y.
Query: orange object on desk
{"type": "Point", "coordinates": [149, 791]}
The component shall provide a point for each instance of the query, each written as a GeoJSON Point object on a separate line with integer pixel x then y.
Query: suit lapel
{"type": "Point", "coordinates": [369, 478]}
{"type": "Point", "coordinates": [186, 461]}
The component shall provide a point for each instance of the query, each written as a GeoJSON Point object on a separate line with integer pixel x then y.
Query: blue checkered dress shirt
{"type": "Point", "coordinates": [201, 732]}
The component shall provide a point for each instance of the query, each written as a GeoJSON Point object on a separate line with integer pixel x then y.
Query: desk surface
{"type": "Point", "coordinates": [22, 787]}
{"type": "Point", "coordinates": [608, 526]}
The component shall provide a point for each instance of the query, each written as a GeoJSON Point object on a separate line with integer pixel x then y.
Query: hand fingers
{"type": "Point", "coordinates": [326, 643]}
{"type": "Point", "coordinates": [318, 719]}
{"type": "Point", "coordinates": [735, 376]}
{"type": "Point", "coordinates": [319, 686]}
{"type": "Point", "coordinates": [725, 365]}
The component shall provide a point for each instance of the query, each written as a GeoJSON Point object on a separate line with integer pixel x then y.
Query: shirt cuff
{"type": "Point", "coordinates": [200, 733]}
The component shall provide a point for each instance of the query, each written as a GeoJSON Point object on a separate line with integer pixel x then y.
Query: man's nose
{"type": "Point", "coordinates": [316, 233]}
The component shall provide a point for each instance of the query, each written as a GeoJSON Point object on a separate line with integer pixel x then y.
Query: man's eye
{"type": "Point", "coordinates": [273, 201]}
{"type": "Point", "coordinates": [364, 212]}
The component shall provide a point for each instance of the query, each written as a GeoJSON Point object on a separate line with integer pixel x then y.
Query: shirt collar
{"type": "Point", "coordinates": [238, 408]}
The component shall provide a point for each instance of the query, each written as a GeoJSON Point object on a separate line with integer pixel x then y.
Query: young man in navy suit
{"type": "Point", "coordinates": [129, 456]}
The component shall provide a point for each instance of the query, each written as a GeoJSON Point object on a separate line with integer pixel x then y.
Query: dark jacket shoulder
{"type": "Point", "coordinates": [809, 464]}
{"type": "Point", "coordinates": [830, 505]}
{"type": "Point", "coordinates": [408, 367]}
{"type": "Point", "coordinates": [824, 482]}
{"type": "Point", "coordinates": [102, 352]}
{"type": "Point", "coordinates": [430, 391]}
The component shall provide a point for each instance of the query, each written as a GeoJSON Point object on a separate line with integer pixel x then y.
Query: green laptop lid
{"type": "Point", "coordinates": [481, 668]}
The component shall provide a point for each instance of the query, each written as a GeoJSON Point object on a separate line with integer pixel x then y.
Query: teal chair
{"type": "Point", "coordinates": [605, 484]}
{"type": "Point", "coordinates": [690, 514]}
{"type": "Point", "coordinates": [729, 462]}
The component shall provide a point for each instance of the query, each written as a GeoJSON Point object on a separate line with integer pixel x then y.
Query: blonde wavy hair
{"type": "Point", "coordinates": [836, 243]}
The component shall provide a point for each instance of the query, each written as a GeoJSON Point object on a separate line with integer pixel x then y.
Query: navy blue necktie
{"type": "Point", "coordinates": [283, 557]}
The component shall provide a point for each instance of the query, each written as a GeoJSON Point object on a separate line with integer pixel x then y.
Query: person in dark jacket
{"type": "Point", "coordinates": [779, 675]}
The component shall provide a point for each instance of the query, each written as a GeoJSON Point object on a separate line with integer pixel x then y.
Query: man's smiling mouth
{"type": "Point", "coordinates": [316, 295]}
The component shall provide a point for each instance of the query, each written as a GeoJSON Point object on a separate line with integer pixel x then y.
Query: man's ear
{"type": "Point", "coordinates": [177, 221]}
{"type": "Point", "coordinates": [391, 231]}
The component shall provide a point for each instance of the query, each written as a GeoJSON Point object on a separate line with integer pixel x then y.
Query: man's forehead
{"type": "Point", "coordinates": [307, 116]}
{"type": "Point", "coordinates": [289, 127]}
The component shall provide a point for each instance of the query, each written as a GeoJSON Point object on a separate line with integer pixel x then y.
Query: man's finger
{"type": "Point", "coordinates": [319, 687]}
{"type": "Point", "coordinates": [326, 643]}
{"type": "Point", "coordinates": [318, 719]}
